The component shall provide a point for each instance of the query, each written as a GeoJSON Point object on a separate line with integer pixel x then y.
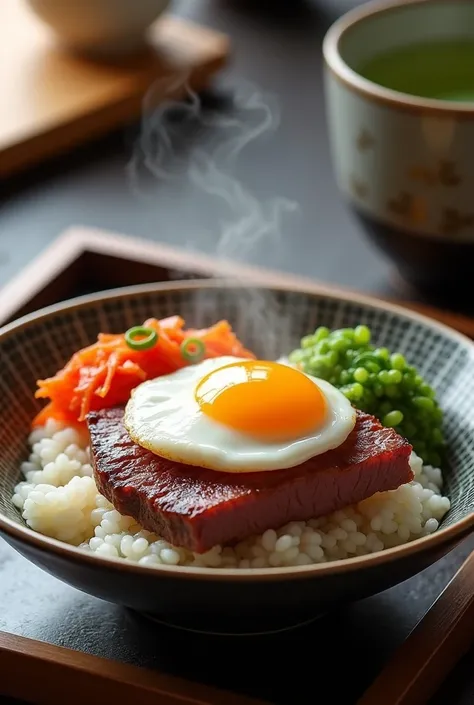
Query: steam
{"type": "Point", "coordinates": [184, 140]}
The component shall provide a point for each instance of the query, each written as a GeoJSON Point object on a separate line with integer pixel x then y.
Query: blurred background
{"type": "Point", "coordinates": [275, 57]}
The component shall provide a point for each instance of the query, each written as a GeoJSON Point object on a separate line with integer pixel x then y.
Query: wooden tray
{"type": "Point", "coordinates": [52, 101]}
{"type": "Point", "coordinates": [84, 260]}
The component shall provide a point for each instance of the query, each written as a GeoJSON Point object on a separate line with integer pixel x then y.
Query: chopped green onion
{"type": "Point", "coordinates": [193, 349]}
{"type": "Point", "coordinates": [141, 338]}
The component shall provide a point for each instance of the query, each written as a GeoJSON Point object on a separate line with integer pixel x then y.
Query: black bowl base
{"type": "Point", "coordinates": [432, 269]}
{"type": "Point", "coordinates": [210, 625]}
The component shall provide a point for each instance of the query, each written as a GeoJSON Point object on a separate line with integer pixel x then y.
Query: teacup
{"type": "Point", "coordinates": [402, 135]}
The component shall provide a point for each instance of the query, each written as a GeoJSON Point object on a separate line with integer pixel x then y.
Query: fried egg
{"type": "Point", "coordinates": [234, 415]}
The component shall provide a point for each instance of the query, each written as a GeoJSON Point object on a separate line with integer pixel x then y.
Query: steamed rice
{"type": "Point", "coordinates": [59, 498]}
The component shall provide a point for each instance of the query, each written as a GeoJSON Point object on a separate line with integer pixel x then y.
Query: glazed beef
{"type": "Point", "coordinates": [199, 508]}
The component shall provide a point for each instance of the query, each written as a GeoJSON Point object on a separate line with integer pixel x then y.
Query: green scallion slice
{"type": "Point", "coordinates": [141, 338]}
{"type": "Point", "coordinates": [193, 349]}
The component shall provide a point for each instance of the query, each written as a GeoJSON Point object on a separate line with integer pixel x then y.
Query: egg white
{"type": "Point", "coordinates": [163, 416]}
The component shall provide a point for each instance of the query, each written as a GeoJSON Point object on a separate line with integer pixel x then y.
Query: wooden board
{"type": "Point", "coordinates": [54, 671]}
{"type": "Point", "coordinates": [52, 100]}
{"type": "Point", "coordinates": [84, 260]}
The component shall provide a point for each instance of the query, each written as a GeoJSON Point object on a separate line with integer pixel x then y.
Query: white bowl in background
{"type": "Point", "coordinates": [100, 26]}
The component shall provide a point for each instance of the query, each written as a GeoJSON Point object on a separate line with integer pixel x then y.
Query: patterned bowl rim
{"type": "Point", "coordinates": [23, 534]}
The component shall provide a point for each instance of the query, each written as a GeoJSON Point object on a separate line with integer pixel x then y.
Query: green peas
{"type": "Point", "coordinates": [369, 397]}
{"type": "Point", "coordinates": [382, 354]}
{"type": "Point", "coordinates": [362, 335]}
{"type": "Point", "coordinates": [427, 391]}
{"type": "Point", "coordinates": [347, 333]}
{"type": "Point", "coordinates": [384, 377]}
{"type": "Point", "coordinates": [397, 361]}
{"type": "Point", "coordinates": [345, 377]}
{"type": "Point", "coordinates": [378, 381]}
{"type": "Point", "coordinates": [340, 345]}
{"type": "Point", "coordinates": [320, 334]}
{"type": "Point", "coordinates": [408, 380]}
{"type": "Point", "coordinates": [393, 418]}
{"type": "Point", "coordinates": [332, 358]}
{"type": "Point", "coordinates": [395, 376]}
{"type": "Point", "coordinates": [385, 407]}
{"type": "Point", "coordinates": [378, 390]}
{"type": "Point", "coordinates": [354, 392]}
{"type": "Point", "coordinates": [361, 375]}
{"type": "Point", "coordinates": [392, 391]}
{"type": "Point", "coordinates": [308, 341]}
{"type": "Point", "coordinates": [317, 361]}
{"type": "Point", "coordinates": [424, 403]}
{"type": "Point", "coordinates": [362, 359]}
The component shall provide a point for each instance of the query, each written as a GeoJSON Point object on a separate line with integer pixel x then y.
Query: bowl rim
{"type": "Point", "coordinates": [403, 102]}
{"type": "Point", "coordinates": [25, 535]}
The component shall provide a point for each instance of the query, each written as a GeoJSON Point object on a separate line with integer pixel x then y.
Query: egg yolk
{"type": "Point", "coordinates": [267, 400]}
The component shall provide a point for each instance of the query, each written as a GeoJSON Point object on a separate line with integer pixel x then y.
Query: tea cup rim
{"type": "Point", "coordinates": [370, 90]}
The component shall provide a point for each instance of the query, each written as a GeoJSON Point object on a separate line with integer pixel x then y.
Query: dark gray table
{"type": "Point", "coordinates": [277, 49]}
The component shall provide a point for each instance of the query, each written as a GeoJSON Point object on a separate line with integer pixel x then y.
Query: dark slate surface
{"type": "Point", "coordinates": [279, 52]}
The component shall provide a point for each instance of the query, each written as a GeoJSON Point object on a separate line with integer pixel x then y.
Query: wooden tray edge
{"type": "Point", "coordinates": [77, 240]}
{"type": "Point", "coordinates": [84, 128]}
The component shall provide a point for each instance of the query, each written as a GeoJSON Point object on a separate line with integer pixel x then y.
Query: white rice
{"type": "Point", "coordinates": [59, 498]}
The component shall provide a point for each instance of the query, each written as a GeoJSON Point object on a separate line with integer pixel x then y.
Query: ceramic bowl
{"type": "Point", "coordinates": [237, 601]}
{"type": "Point", "coordinates": [105, 27]}
{"type": "Point", "coordinates": [404, 162]}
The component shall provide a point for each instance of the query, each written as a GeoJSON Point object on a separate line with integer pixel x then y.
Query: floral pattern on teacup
{"type": "Point", "coordinates": [359, 188]}
{"type": "Point", "coordinates": [444, 173]}
{"type": "Point", "coordinates": [365, 140]}
{"type": "Point", "coordinates": [404, 168]}
{"type": "Point", "coordinates": [453, 221]}
{"type": "Point", "coordinates": [408, 207]}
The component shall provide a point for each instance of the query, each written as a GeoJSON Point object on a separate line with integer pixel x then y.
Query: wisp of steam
{"type": "Point", "coordinates": [183, 140]}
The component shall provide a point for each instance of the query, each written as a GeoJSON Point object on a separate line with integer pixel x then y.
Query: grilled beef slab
{"type": "Point", "coordinates": [198, 508]}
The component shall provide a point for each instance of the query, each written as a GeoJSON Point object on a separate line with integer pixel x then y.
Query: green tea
{"type": "Point", "coordinates": [441, 69]}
